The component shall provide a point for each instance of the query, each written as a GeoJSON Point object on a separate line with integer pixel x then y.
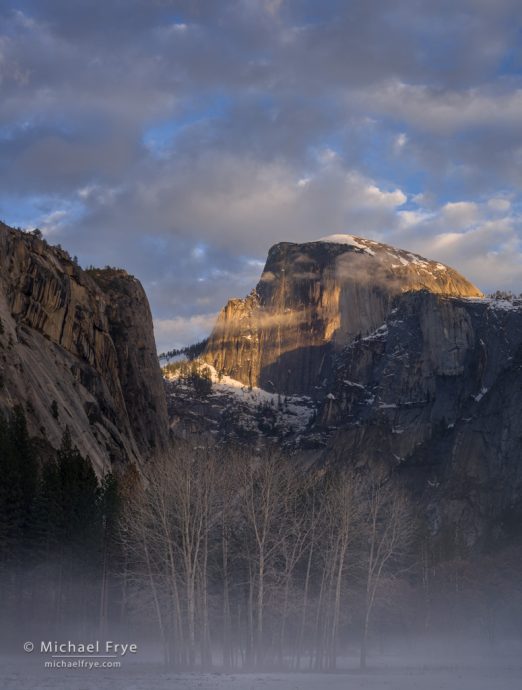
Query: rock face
{"type": "Point", "coordinates": [77, 350]}
{"type": "Point", "coordinates": [407, 365]}
{"type": "Point", "coordinates": [311, 301]}
{"type": "Point", "coordinates": [131, 331]}
{"type": "Point", "coordinates": [436, 391]}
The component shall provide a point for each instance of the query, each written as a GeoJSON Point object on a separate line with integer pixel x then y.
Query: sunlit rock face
{"type": "Point", "coordinates": [400, 362]}
{"type": "Point", "coordinates": [311, 301]}
{"type": "Point", "coordinates": [378, 358]}
{"type": "Point", "coordinates": [77, 350]}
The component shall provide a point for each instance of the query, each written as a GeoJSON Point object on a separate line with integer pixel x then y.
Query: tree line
{"type": "Point", "coordinates": [191, 373]}
{"type": "Point", "coordinates": [256, 554]}
{"type": "Point", "coordinates": [248, 560]}
{"type": "Point", "coordinates": [236, 558]}
{"type": "Point", "coordinates": [57, 522]}
{"type": "Point", "coordinates": [189, 351]}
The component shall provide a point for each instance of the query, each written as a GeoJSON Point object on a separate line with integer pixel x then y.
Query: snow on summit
{"type": "Point", "coordinates": [349, 240]}
{"type": "Point", "coordinates": [372, 247]}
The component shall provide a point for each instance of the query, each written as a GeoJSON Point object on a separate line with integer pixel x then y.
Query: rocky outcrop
{"type": "Point", "coordinates": [130, 328]}
{"type": "Point", "coordinates": [77, 350]}
{"type": "Point", "coordinates": [436, 392]}
{"type": "Point", "coordinates": [312, 300]}
{"type": "Point", "coordinates": [406, 364]}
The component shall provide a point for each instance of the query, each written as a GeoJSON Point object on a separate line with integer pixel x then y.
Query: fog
{"type": "Point", "coordinates": [405, 664]}
{"type": "Point", "coordinates": [221, 567]}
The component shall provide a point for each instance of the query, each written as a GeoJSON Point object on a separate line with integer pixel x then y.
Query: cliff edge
{"type": "Point", "coordinates": [77, 350]}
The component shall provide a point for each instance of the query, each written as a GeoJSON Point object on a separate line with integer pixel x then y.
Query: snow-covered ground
{"type": "Point", "coordinates": [500, 304]}
{"type": "Point", "coordinates": [297, 405]}
{"type": "Point", "coordinates": [500, 674]}
{"type": "Point", "coordinates": [405, 679]}
{"type": "Point", "coordinates": [252, 409]}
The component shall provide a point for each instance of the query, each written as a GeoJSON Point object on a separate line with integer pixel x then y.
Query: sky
{"type": "Point", "coordinates": [180, 139]}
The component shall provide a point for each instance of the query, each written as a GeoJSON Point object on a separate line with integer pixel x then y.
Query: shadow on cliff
{"type": "Point", "coordinates": [303, 371]}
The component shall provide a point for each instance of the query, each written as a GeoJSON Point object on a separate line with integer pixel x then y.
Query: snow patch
{"type": "Point", "coordinates": [480, 395]}
{"type": "Point", "coordinates": [380, 332]}
{"type": "Point", "coordinates": [353, 384]}
{"type": "Point", "coordinates": [499, 304]}
{"type": "Point", "coordinates": [350, 240]}
{"type": "Point", "coordinates": [297, 410]}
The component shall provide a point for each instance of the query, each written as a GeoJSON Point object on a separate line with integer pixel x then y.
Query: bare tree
{"type": "Point", "coordinates": [272, 550]}
{"type": "Point", "coordinates": [268, 486]}
{"type": "Point", "coordinates": [343, 508]}
{"type": "Point", "coordinates": [168, 522]}
{"type": "Point", "coordinates": [340, 522]}
{"type": "Point", "coordinates": [389, 529]}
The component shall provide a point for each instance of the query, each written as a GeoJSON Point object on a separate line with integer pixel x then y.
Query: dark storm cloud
{"type": "Point", "coordinates": [181, 139]}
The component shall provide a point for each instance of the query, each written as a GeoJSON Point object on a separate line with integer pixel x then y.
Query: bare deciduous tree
{"type": "Point", "coordinates": [251, 549]}
{"type": "Point", "coordinates": [388, 531]}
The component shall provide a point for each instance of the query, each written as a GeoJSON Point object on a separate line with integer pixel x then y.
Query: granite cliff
{"type": "Point", "coordinates": [313, 299]}
{"type": "Point", "coordinates": [77, 350]}
{"type": "Point", "coordinates": [351, 351]}
{"type": "Point", "coordinates": [346, 351]}
{"type": "Point", "coordinates": [436, 392]}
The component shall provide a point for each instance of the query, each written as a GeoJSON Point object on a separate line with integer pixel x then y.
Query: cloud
{"type": "Point", "coordinates": [52, 223]}
{"type": "Point", "coordinates": [236, 202]}
{"type": "Point", "coordinates": [460, 214]}
{"type": "Point", "coordinates": [400, 142]}
{"type": "Point", "coordinates": [445, 111]}
{"type": "Point", "coordinates": [499, 205]}
{"type": "Point", "coordinates": [181, 139]}
{"type": "Point", "coordinates": [180, 331]}
{"type": "Point", "coordinates": [482, 240]}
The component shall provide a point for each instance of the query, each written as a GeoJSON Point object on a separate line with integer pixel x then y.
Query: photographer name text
{"type": "Point", "coordinates": [96, 648]}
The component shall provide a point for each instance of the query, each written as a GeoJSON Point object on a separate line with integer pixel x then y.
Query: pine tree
{"type": "Point", "coordinates": [80, 498]}
{"type": "Point", "coordinates": [110, 506]}
{"type": "Point", "coordinates": [48, 512]}
{"type": "Point", "coordinates": [18, 486]}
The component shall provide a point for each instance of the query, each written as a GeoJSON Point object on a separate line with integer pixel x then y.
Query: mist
{"type": "Point", "coordinates": [232, 567]}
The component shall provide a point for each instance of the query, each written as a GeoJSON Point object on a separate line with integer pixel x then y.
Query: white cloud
{"type": "Point", "coordinates": [52, 223]}
{"type": "Point", "coordinates": [289, 129]}
{"type": "Point", "coordinates": [481, 240]}
{"type": "Point", "coordinates": [326, 156]}
{"type": "Point", "coordinates": [499, 205]}
{"type": "Point", "coordinates": [400, 142]}
{"type": "Point", "coordinates": [460, 214]}
{"type": "Point", "coordinates": [244, 205]}
{"type": "Point", "coordinates": [444, 111]}
{"type": "Point", "coordinates": [374, 195]}
{"type": "Point", "coordinates": [182, 330]}
{"type": "Point", "coordinates": [412, 218]}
